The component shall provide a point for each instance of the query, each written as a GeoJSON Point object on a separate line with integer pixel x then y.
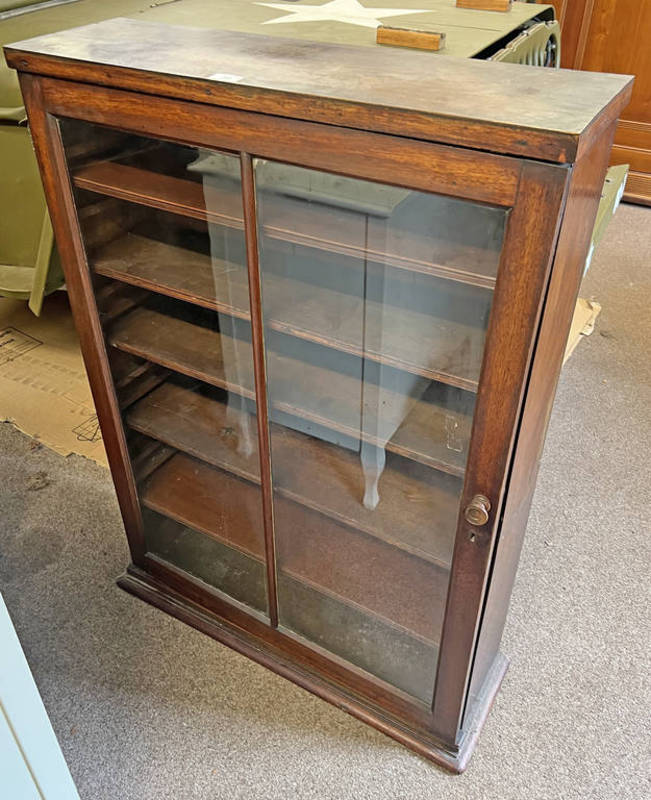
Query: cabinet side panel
{"type": "Point", "coordinates": [49, 152]}
{"type": "Point", "coordinates": [566, 277]}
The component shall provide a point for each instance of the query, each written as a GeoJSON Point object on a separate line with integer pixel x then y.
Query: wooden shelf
{"type": "Point", "coordinates": [125, 367]}
{"type": "Point", "coordinates": [147, 455]}
{"type": "Point", "coordinates": [416, 427]}
{"type": "Point", "coordinates": [115, 298]}
{"type": "Point", "coordinates": [293, 222]}
{"type": "Point", "coordinates": [392, 654]}
{"type": "Point", "coordinates": [417, 342]}
{"type": "Point", "coordinates": [418, 507]}
{"type": "Point", "coordinates": [157, 190]}
{"type": "Point", "coordinates": [141, 384]}
{"type": "Point", "coordinates": [406, 592]}
{"type": "Point", "coordinates": [175, 272]}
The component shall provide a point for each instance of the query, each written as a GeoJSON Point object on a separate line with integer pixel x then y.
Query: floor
{"type": "Point", "coordinates": [145, 707]}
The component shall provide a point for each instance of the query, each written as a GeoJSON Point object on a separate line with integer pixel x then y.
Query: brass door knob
{"type": "Point", "coordinates": [476, 512]}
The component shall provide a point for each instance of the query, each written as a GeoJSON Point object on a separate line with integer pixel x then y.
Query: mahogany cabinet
{"type": "Point", "coordinates": [323, 295]}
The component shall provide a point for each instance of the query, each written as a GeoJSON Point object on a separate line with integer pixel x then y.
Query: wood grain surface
{"type": "Point", "coordinates": [460, 102]}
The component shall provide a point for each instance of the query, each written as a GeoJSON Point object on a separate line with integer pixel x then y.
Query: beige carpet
{"type": "Point", "coordinates": [145, 707]}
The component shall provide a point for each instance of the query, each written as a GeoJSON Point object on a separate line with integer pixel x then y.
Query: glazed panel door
{"type": "Point", "coordinates": [398, 325]}
{"type": "Point", "coordinates": [376, 301]}
{"type": "Point", "coordinates": [166, 253]}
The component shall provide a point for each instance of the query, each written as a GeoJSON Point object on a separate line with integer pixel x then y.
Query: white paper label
{"type": "Point", "coordinates": [226, 77]}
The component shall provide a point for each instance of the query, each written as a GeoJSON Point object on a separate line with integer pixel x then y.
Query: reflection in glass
{"type": "Point", "coordinates": [220, 175]}
{"type": "Point", "coordinates": [375, 302]}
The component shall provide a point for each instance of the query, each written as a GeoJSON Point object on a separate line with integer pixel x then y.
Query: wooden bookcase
{"type": "Point", "coordinates": [323, 322]}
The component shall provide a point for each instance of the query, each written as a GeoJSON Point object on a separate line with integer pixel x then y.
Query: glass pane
{"type": "Point", "coordinates": [376, 301]}
{"type": "Point", "coordinates": [165, 245]}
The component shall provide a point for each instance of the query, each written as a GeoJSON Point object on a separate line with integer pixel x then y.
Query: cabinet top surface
{"type": "Point", "coordinates": [542, 113]}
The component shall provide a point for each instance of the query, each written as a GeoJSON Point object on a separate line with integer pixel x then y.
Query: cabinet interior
{"type": "Point", "coordinates": [389, 291]}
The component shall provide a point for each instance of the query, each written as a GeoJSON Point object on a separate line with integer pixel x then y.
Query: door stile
{"type": "Point", "coordinates": [522, 278]}
{"type": "Point", "coordinates": [260, 370]}
{"type": "Point", "coordinates": [48, 146]}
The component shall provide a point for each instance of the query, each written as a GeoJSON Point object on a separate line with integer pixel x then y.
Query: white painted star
{"type": "Point", "coordinates": [351, 12]}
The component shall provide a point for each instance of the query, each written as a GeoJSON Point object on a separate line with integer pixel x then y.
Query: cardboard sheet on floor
{"type": "Point", "coordinates": [583, 322]}
{"type": "Point", "coordinates": [43, 386]}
